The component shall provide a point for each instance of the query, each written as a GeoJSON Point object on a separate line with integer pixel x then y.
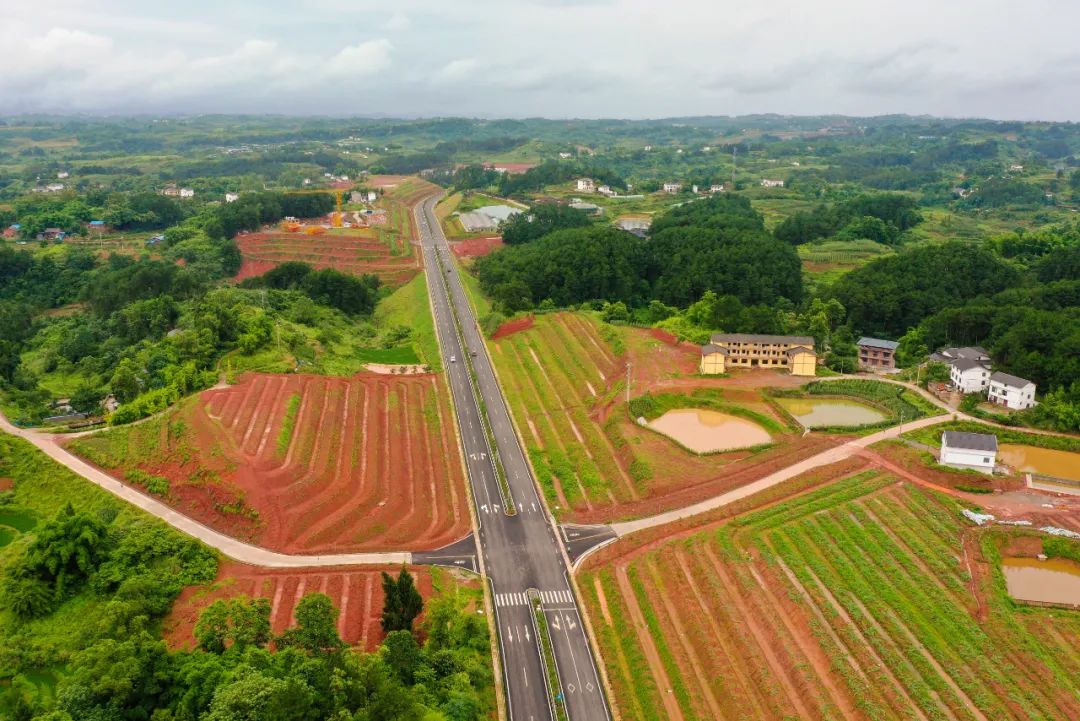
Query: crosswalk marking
{"type": "Point", "coordinates": [522, 599]}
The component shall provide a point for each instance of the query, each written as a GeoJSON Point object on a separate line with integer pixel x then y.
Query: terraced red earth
{"type": "Point", "coordinates": [350, 252]}
{"type": "Point", "coordinates": [357, 594]}
{"type": "Point", "coordinates": [305, 464]}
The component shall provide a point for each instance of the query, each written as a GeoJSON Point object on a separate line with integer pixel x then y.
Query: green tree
{"type": "Point", "coordinates": [316, 626]}
{"type": "Point", "coordinates": [212, 628]}
{"type": "Point", "coordinates": [67, 549]}
{"type": "Point", "coordinates": [402, 602]}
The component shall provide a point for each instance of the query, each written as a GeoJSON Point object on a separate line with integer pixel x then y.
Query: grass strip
{"type": "Point", "coordinates": [547, 655]}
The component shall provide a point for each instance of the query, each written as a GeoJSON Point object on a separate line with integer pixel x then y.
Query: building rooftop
{"type": "Point", "coordinates": [710, 348]}
{"type": "Point", "coordinates": [969, 441]}
{"type": "Point", "coordinates": [966, 364]}
{"type": "Point", "coordinates": [1009, 380]}
{"type": "Point", "coordinates": [799, 350]}
{"type": "Point", "coordinates": [722, 338]}
{"type": "Point", "coordinates": [878, 343]}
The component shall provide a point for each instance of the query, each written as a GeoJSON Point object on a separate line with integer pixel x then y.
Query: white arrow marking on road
{"type": "Point", "coordinates": [555, 623]}
{"type": "Point", "coordinates": [496, 507]}
{"type": "Point", "coordinates": [484, 508]}
{"type": "Point", "coordinates": [510, 634]}
{"type": "Point", "coordinates": [570, 621]}
{"type": "Point", "coordinates": [527, 636]}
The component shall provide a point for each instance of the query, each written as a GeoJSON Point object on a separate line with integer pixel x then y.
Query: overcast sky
{"type": "Point", "coordinates": [1016, 59]}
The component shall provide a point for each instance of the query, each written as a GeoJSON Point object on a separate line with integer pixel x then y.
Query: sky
{"type": "Point", "coordinates": [1008, 59]}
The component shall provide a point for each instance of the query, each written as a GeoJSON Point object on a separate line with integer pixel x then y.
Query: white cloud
{"type": "Point", "coordinates": [457, 70]}
{"type": "Point", "coordinates": [398, 21]}
{"type": "Point", "coordinates": [551, 57]}
{"type": "Point", "coordinates": [361, 60]}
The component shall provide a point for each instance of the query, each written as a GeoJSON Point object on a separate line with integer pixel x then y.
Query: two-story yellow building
{"type": "Point", "coordinates": [749, 350]}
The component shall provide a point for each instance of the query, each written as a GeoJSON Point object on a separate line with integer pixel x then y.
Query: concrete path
{"type": "Point", "coordinates": [824, 458]}
{"type": "Point", "coordinates": [231, 547]}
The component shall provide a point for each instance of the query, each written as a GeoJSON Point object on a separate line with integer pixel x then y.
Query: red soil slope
{"type": "Point", "coordinates": [370, 463]}
{"type": "Point", "coordinates": [350, 253]}
{"type": "Point", "coordinates": [356, 593]}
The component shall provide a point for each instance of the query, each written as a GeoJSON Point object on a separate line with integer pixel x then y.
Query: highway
{"type": "Point", "coordinates": [519, 553]}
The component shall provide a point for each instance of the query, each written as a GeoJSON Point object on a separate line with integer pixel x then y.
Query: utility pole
{"type": "Point", "coordinates": [628, 367]}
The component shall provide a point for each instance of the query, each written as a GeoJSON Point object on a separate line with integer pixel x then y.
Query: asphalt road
{"type": "Point", "coordinates": [520, 552]}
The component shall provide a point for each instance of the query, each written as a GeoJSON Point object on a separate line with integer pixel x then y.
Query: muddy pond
{"type": "Point", "coordinates": [1055, 580]}
{"type": "Point", "coordinates": [705, 431]}
{"type": "Point", "coordinates": [1044, 461]}
{"type": "Point", "coordinates": [822, 412]}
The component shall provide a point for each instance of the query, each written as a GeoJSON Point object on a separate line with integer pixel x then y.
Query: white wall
{"type": "Point", "coordinates": [961, 458]}
{"type": "Point", "coordinates": [974, 380]}
{"type": "Point", "coordinates": [1017, 399]}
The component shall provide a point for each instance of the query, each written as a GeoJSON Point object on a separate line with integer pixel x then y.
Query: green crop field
{"type": "Point", "coordinates": [860, 600]}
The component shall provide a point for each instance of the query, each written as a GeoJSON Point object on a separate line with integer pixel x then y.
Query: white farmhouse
{"type": "Point", "coordinates": [564, 155]}
{"type": "Point", "coordinates": [672, 187]}
{"type": "Point", "coordinates": [586, 185]}
{"type": "Point", "coordinates": [716, 188]}
{"type": "Point", "coordinates": [969, 376]}
{"type": "Point", "coordinates": [232, 197]}
{"type": "Point", "coordinates": [1011, 391]}
{"type": "Point", "coordinates": [766, 183]}
{"type": "Point", "coordinates": [187, 193]}
{"type": "Point", "coordinates": [977, 451]}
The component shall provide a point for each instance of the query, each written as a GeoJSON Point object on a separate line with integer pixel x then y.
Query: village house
{"type": "Point", "coordinates": [170, 191]}
{"type": "Point", "coordinates": [232, 197]}
{"type": "Point", "coordinates": [187, 193]}
{"type": "Point", "coordinates": [749, 350]}
{"type": "Point", "coordinates": [12, 230]}
{"type": "Point", "coordinates": [975, 451]}
{"type": "Point", "coordinates": [98, 226]}
{"type": "Point", "coordinates": [590, 208]}
{"type": "Point", "coordinates": [672, 187]}
{"type": "Point", "coordinates": [716, 188]}
{"type": "Point", "coordinates": [969, 376]}
{"type": "Point", "coordinates": [52, 234]}
{"type": "Point", "coordinates": [586, 185]}
{"type": "Point", "coordinates": [605, 190]}
{"type": "Point", "coordinates": [564, 155]}
{"type": "Point", "coordinates": [948, 355]}
{"type": "Point", "coordinates": [62, 175]}
{"type": "Point", "coordinates": [877, 354]}
{"type": "Point", "coordinates": [1011, 391]}
{"type": "Point", "coordinates": [766, 183]}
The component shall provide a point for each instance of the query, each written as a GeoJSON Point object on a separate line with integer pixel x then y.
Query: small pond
{"type": "Point", "coordinates": [1055, 580]}
{"type": "Point", "coordinates": [705, 431]}
{"type": "Point", "coordinates": [1045, 461]}
{"type": "Point", "coordinates": [822, 412]}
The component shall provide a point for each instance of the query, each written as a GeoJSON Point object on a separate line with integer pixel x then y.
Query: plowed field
{"type": "Point", "coordinates": [357, 594]}
{"type": "Point", "coordinates": [305, 464]}
{"type": "Point", "coordinates": [565, 378]}
{"type": "Point", "coordinates": [358, 252]}
{"type": "Point", "coordinates": [867, 598]}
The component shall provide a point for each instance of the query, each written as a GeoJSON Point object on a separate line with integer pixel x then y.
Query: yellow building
{"type": "Point", "coordinates": [748, 350]}
{"type": "Point", "coordinates": [712, 359]}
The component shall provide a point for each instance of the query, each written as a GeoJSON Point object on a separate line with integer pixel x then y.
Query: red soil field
{"type": "Point", "coordinates": [513, 326]}
{"type": "Point", "coordinates": [564, 382]}
{"type": "Point", "coordinates": [476, 247]}
{"type": "Point", "coordinates": [371, 462]}
{"type": "Point", "coordinates": [349, 253]}
{"type": "Point", "coordinates": [357, 593]}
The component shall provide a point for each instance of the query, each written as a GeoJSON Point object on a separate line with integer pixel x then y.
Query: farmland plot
{"type": "Point", "coordinates": [360, 251]}
{"type": "Point", "coordinates": [357, 594]}
{"type": "Point", "coordinates": [304, 464]}
{"type": "Point", "coordinates": [859, 600]}
{"type": "Point", "coordinates": [564, 376]}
